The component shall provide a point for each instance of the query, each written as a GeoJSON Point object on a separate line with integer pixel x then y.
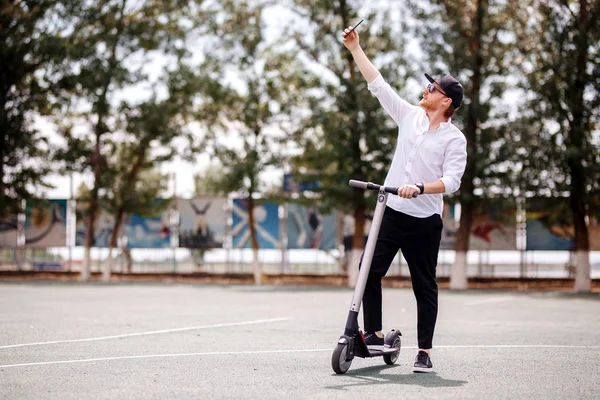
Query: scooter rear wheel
{"type": "Point", "coordinates": [392, 358]}
{"type": "Point", "coordinates": [338, 359]}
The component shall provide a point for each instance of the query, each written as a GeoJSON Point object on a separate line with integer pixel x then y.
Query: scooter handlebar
{"type": "Point", "coordinates": [374, 186]}
{"type": "Point", "coordinates": [358, 184]}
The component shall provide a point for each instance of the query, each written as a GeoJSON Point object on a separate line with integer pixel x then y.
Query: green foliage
{"type": "Point", "coordinates": [111, 45]}
{"type": "Point", "coordinates": [343, 133]}
{"type": "Point", "coordinates": [32, 48]}
{"type": "Point", "coordinates": [472, 41]}
{"type": "Point", "coordinates": [123, 137]}
{"type": "Point", "coordinates": [133, 188]}
{"type": "Point", "coordinates": [557, 137]}
{"type": "Point", "coordinates": [209, 182]}
{"type": "Point", "coordinates": [246, 96]}
{"type": "Point", "coordinates": [145, 197]}
{"type": "Point", "coordinates": [297, 103]}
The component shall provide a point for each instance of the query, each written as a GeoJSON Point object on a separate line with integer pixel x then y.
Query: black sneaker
{"type": "Point", "coordinates": [423, 363]}
{"type": "Point", "coordinates": [373, 340]}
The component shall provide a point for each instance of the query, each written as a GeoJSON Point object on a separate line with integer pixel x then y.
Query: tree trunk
{"type": "Point", "coordinates": [89, 242]}
{"type": "Point", "coordinates": [256, 265]}
{"type": "Point", "coordinates": [459, 272]}
{"type": "Point", "coordinates": [107, 267]}
{"type": "Point", "coordinates": [127, 255]}
{"type": "Point", "coordinates": [358, 240]}
{"type": "Point", "coordinates": [3, 125]}
{"type": "Point", "coordinates": [581, 241]}
{"type": "Point", "coordinates": [339, 238]}
{"type": "Point", "coordinates": [97, 165]}
{"type": "Point", "coordinates": [114, 236]}
{"type": "Point", "coordinates": [93, 209]}
{"type": "Point", "coordinates": [132, 177]}
{"type": "Point", "coordinates": [102, 108]}
{"type": "Point", "coordinates": [574, 156]}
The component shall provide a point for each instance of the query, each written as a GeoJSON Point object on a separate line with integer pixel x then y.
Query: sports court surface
{"type": "Point", "coordinates": [190, 341]}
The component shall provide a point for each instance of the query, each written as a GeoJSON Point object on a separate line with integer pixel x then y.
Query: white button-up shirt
{"type": "Point", "coordinates": [421, 155]}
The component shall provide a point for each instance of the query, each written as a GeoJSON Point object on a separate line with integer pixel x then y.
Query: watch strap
{"type": "Point", "coordinates": [421, 187]}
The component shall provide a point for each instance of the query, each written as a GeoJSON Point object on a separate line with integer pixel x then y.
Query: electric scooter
{"type": "Point", "coordinates": [352, 343]}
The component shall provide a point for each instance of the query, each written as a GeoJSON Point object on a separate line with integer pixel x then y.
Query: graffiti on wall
{"type": "Point", "coordinates": [266, 224]}
{"type": "Point", "coordinates": [307, 228]}
{"type": "Point", "coordinates": [46, 223]}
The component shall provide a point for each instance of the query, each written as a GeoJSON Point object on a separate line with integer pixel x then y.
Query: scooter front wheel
{"type": "Point", "coordinates": [392, 358]}
{"type": "Point", "coordinates": [338, 359]}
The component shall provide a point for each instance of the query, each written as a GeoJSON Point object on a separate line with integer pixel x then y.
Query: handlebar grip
{"type": "Point", "coordinates": [374, 186]}
{"type": "Point", "coordinates": [358, 184]}
{"type": "Point", "coordinates": [394, 190]}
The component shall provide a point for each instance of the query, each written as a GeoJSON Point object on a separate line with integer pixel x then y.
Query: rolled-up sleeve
{"type": "Point", "coordinates": [392, 103]}
{"type": "Point", "coordinates": [455, 162]}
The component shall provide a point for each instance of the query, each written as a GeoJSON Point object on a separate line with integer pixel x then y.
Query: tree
{"type": "Point", "coordinates": [151, 129]}
{"type": "Point", "coordinates": [343, 132]}
{"type": "Point", "coordinates": [140, 195]}
{"type": "Point", "coordinates": [32, 50]}
{"type": "Point", "coordinates": [112, 41]}
{"type": "Point", "coordinates": [209, 182]}
{"type": "Point", "coordinates": [558, 55]}
{"type": "Point", "coordinates": [248, 92]}
{"type": "Point", "coordinates": [471, 41]}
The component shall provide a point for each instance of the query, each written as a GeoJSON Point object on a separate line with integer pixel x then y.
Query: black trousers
{"type": "Point", "coordinates": [419, 239]}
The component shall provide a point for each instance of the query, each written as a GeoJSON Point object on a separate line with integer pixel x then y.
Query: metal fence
{"type": "Point", "coordinates": [521, 264]}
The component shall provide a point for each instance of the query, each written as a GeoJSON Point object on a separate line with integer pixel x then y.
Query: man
{"type": "Point", "coordinates": [430, 159]}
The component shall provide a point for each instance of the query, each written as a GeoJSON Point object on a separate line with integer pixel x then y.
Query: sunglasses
{"type": "Point", "coordinates": [431, 88]}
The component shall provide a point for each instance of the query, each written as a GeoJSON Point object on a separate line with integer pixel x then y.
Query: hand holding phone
{"type": "Point", "coordinates": [352, 30]}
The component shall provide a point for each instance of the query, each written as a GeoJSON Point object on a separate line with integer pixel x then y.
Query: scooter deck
{"type": "Point", "coordinates": [375, 351]}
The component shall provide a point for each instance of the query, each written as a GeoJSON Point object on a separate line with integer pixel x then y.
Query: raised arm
{"type": "Point", "coordinates": [394, 105]}
{"type": "Point", "coordinates": [366, 68]}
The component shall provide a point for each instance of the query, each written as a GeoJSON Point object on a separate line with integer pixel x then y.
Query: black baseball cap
{"type": "Point", "coordinates": [451, 87]}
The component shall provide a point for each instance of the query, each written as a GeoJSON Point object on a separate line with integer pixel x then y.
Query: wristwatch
{"type": "Point", "coordinates": [421, 187]}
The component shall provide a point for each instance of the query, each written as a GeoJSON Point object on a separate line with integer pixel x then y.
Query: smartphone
{"type": "Point", "coordinates": [355, 26]}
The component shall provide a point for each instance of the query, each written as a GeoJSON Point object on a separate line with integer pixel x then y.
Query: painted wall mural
{"type": "Point", "coordinates": [46, 223]}
{"type": "Point", "coordinates": [266, 223]}
{"type": "Point", "coordinates": [307, 228]}
{"type": "Point", "coordinates": [494, 226]}
{"type": "Point", "coordinates": [103, 226]}
{"type": "Point", "coordinates": [202, 222]}
{"type": "Point", "coordinates": [8, 231]}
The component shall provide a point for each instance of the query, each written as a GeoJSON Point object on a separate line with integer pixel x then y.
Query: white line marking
{"type": "Point", "coordinates": [237, 353]}
{"type": "Point", "coordinates": [514, 346]}
{"type": "Point", "coordinates": [490, 300]}
{"type": "Point", "coordinates": [189, 328]}
{"type": "Point", "coordinates": [216, 353]}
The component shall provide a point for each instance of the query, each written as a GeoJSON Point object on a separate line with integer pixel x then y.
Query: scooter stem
{"type": "Point", "coordinates": [369, 250]}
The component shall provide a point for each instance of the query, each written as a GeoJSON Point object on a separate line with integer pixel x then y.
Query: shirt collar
{"type": "Point", "coordinates": [442, 125]}
{"type": "Point", "coordinates": [445, 124]}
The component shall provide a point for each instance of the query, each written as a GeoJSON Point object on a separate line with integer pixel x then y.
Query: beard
{"type": "Point", "coordinates": [427, 105]}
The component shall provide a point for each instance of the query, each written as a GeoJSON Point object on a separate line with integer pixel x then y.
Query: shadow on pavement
{"type": "Point", "coordinates": [372, 376]}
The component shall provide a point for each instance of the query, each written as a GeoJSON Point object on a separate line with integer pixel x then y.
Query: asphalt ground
{"type": "Point", "coordinates": [191, 341]}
